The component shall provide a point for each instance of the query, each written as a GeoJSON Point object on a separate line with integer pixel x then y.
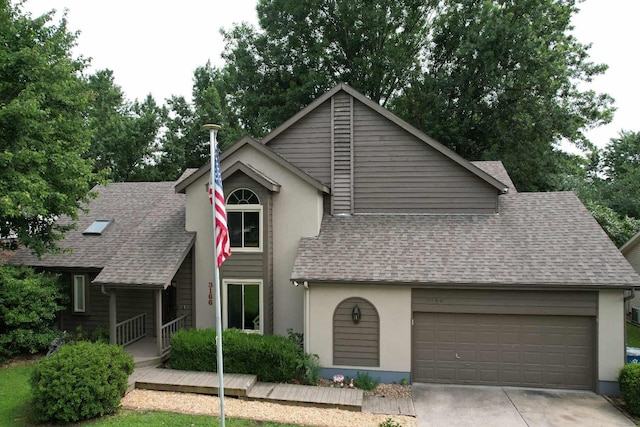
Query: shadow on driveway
{"type": "Point", "coordinates": [457, 405]}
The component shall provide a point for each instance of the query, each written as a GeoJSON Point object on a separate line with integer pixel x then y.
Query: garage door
{"type": "Point", "coordinates": [504, 349]}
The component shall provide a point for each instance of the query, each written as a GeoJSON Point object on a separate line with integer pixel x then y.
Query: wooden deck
{"type": "Point", "coordinates": [190, 381]}
{"type": "Point", "coordinates": [292, 394]}
{"type": "Point", "coordinates": [144, 353]}
{"type": "Point", "coordinates": [389, 406]}
{"type": "Point", "coordinates": [246, 386]}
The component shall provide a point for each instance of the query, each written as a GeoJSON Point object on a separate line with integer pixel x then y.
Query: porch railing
{"type": "Point", "coordinates": [131, 330]}
{"type": "Point", "coordinates": [169, 329]}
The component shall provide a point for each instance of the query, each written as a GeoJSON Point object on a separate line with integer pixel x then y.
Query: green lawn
{"type": "Point", "coordinates": [633, 335]}
{"type": "Point", "coordinates": [15, 396]}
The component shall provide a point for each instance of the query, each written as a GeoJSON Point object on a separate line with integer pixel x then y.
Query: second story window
{"type": "Point", "coordinates": [244, 219]}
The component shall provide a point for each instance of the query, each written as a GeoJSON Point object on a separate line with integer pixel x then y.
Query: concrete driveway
{"type": "Point", "coordinates": [456, 405]}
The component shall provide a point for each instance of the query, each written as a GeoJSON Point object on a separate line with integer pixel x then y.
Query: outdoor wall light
{"type": "Point", "coordinates": [355, 314]}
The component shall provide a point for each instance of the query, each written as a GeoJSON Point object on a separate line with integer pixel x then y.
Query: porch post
{"type": "Point", "coordinates": [158, 321]}
{"type": "Point", "coordinates": [113, 339]}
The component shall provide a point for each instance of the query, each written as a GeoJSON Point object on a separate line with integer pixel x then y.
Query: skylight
{"type": "Point", "coordinates": [97, 227]}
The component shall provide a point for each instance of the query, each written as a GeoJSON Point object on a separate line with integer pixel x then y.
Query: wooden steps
{"type": "Point", "coordinates": [190, 381]}
{"type": "Point", "coordinates": [292, 394]}
{"type": "Point", "coordinates": [247, 387]}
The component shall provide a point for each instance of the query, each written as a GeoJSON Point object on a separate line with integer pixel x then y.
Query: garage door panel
{"type": "Point", "coordinates": [529, 350]}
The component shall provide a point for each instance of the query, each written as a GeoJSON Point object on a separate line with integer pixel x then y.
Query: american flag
{"type": "Point", "coordinates": [223, 248]}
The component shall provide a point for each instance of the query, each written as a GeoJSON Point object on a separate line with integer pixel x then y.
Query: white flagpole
{"type": "Point", "coordinates": [213, 130]}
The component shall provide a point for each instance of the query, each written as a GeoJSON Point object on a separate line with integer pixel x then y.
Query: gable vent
{"type": "Point", "coordinates": [342, 153]}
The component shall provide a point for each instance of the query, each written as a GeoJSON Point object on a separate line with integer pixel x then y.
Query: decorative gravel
{"type": "Point", "coordinates": [199, 404]}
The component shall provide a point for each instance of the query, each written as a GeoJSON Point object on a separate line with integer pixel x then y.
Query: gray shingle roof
{"type": "Point", "coordinates": [537, 239]}
{"type": "Point", "coordinates": [497, 170]}
{"type": "Point", "coordinates": [143, 246]}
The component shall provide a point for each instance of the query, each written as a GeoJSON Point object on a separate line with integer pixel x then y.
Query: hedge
{"type": "Point", "coordinates": [271, 358]}
{"type": "Point", "coordinates": [629, 380]}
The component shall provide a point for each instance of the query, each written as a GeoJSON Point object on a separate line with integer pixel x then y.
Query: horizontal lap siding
{"type": "Point", "coordinates": [307, 143]}
{"type": "Point", "coordinates": [505, 302]}
{"type": "Point", "coordinates": [184, 278]}
{"type": "Point", "coordinates": [396, 172]}
{"type": "Point", "coordinates": [97, 313]}
{"type": "Point", "coordinates": [356, 344]}
{"type": "Point", "coordinates": [132, 302]}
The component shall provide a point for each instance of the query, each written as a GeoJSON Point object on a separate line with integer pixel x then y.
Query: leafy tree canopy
{"type": "Point", "coordinates": [502, 83]}
{"type": "Point", "coordinates": [43, 128]}
{"type": "Point", "coordinates": [490, 79]}
{"type": "Point", "coordinates": [305, 47]}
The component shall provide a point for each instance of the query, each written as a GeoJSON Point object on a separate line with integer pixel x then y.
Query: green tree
{"type": "Point", "coordinates": [502, 83]}
{"type": "Point", "coordinates": [124, 135]}
{"type": "Point", "coordinates": [305, 47]}
{"type": "Point", "coordinates": [185, 144]}
{"type": "Point", "coordinates": [621, 169]}
{"type": "Point", "coordinates": [43, 128]}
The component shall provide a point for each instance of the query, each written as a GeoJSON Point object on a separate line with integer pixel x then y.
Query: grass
{"type": "Point", "coordinates": [154, 418]}
{"type": "Point", "coordinates": [15, 395]}
{"type": "Point", "coordinates": [633, 335]}
{"type": "Point", "coordinates": [15, 409]}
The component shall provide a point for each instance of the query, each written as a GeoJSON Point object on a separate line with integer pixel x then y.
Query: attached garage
{"type": "Point", "coordinates": [515, 338]}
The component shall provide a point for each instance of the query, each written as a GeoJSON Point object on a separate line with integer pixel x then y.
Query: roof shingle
{"type": "Point", "coordinates": [143, 246]}
{"type": "Point", "coordinates": [537, 239]}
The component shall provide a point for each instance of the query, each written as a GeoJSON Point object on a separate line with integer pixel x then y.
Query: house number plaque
{"type": "Point", "coordinates": [210, 293]}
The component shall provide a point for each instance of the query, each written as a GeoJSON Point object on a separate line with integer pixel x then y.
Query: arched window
{"type": "Point", "coordinates": [244, 219]}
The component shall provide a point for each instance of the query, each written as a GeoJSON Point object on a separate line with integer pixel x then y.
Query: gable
{"type": "Point", "coordinates": [376, 163]}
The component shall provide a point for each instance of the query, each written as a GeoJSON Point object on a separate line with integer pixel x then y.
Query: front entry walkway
{"type": "Point", "coordinates": [246, 386]}
{"type": "Point", "coordinates": [458, 405]}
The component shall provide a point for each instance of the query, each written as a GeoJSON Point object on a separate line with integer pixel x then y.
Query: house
{"type": "Point", "coordinates": [391, 253]}
{"type": "Point", "coordinates": [631, 251]}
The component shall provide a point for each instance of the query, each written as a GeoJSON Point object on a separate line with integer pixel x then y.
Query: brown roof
{"type": "Point", "coordinates": [144, 245]}
{"type": "Point", "coordinates": [537, 239]}
{"type": "Point", "coordinates": [497, 170]}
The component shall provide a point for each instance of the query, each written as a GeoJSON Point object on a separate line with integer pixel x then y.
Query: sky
{"type": "Point", "coordinates": [155, 46]}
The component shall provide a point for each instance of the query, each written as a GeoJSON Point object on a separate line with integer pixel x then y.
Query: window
{"type": "Point", "coordinates": [244, 219]}
{"type": "Point", "coordinates": [79, 294]}
{"type": "Point", "coordinates": [97, 227]}
{"type": "Point", "coordinates": [243, 305]}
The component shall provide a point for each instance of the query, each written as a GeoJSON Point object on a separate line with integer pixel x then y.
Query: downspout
{"type": "Point", "coordinates": [307, 316]}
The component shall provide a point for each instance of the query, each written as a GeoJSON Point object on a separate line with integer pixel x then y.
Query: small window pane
{"type": "Point", "coordinates": [252, 307]}
{"type": "Point", "coordinates": [251, 229]}
{"type": "Point", "coordinates": [78, 294]}
{"type": "Point", "coordinates": [243, 197]}
{"type": "Point", "coordinates": [234, 222]}
{"type": "Point", "coordinates": [234, 306]}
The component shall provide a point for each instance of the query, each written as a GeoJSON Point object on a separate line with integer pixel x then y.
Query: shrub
{"type": "Point", "coordinates": [82, 380]}
{"type": "Point", "coordinates": [629, 380]}
{"type": "Point", "coordinates": [363, 381]}
{"type": "Point", "coordinates": [389, 423]}
{"type": "Point", "coordinates": [28, 306]}
{"type": "Point", "coordinates": [271, 358]}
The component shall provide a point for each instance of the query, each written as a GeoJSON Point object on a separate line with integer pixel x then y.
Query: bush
{"type": "Point", "coordinates": [363, 381]}
{"type": "Point", "coordinates": [271, 358]}
{"type": "Point", "coordinates": [28, 306]}
{"type": "Point", "coordinates": [629, 380]}
{"type": "Point", "coordinates": [82, 380]}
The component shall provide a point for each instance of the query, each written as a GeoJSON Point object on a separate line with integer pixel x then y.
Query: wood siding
{"type": "Point", "coordinates": [565, 303]}
{"type": "Point", "coordinates": [356, 344]}
{"type": "Point", "coordinates": [253, 265]}
{"type": "Point", "coordinates": [396, 172]}
{"type": "Point", "coordinates": [307, 143]}
{"type": "Point", "coordinates": [342, 153]}
{"type": "Point", "coordinates": [185, 287]}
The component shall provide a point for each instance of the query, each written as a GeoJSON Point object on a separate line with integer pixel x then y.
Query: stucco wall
{"type": "Point", "coordinates": [611, 327]}
{"type": "Point", "coordinates": [394, 308]}
{"type": "Point", "coordinates": [297, 212]}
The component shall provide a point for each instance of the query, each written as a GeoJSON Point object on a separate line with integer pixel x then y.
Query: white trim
{"type": "Point", "coordinates": [76, 307]}
{"type": "Point", "coordinates": [247, 208]}
{"type": "Point", "coordinates": [258, 282]}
